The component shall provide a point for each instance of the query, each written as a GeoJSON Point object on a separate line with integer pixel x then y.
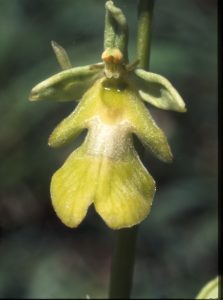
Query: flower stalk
{"type": "Point", "coordinates": [123, 263]}
{"type": "Point", "coordinates": [145, 14]}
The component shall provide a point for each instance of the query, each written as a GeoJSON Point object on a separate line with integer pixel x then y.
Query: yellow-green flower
{"type": "Point", "coordinates": [106, 170]}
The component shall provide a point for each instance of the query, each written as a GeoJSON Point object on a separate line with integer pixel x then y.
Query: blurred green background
{"type": "Point", "coordinates": [177, 243]}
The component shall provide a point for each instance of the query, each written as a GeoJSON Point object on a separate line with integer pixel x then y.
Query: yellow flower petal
{"type": "Point", "coordinates": [73, 187]}
{"type": "Point", "coordinates": [124, 193]}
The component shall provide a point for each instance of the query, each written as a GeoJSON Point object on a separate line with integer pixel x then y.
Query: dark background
{"type": "Point", "coordinates": [177, 243]}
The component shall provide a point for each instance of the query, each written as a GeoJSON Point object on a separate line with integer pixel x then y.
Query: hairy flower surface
{"type": "Point", "coordinates": [105, 169]}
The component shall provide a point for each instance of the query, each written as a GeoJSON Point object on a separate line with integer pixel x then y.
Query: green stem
{"type": "Point", "coordinates": [145, 14]}
{"type": "Point", "coordinates": [123, 263]}
{"type": "Point", "coordinates": [124, 252]}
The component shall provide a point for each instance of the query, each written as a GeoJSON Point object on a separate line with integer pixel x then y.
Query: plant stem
{"type": "Point", "coordinates": [145, 14]}
{"type": "Point", "coordinates": [123, 263]}
{"type": "Point", "coordinates": [125, 244]}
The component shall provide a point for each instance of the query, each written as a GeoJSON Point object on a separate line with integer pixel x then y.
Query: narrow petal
{"type": "Point", "coordinates": [146, 128]}
{"type": "Point", "coordinates": [124, 193]}
{"type": "Point", "coordinates": [153, 137]}
{"type": "Point", "coordinates": [62, 56]}
{"type": "Point", "coordinates": [66, 131]}
{"type": "Point", "coordinates": [158, 91]}
{"type": "Point", "coordinates": [73, 187]}
{"type": "Point", "coordinates": [71, 127]}
{"type": "Point", "coordinates": [67, 85]}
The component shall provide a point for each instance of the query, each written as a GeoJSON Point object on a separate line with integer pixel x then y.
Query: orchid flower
{"type": "Point", "coordinates": [106, 169]}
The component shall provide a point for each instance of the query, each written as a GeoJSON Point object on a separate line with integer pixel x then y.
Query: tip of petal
{"type": "Point", "coordinates": [184, 109]}
{"type": "Point", "coordinates": [33, 96]}
{"type": "Point", "coordinates": [115, 224]}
